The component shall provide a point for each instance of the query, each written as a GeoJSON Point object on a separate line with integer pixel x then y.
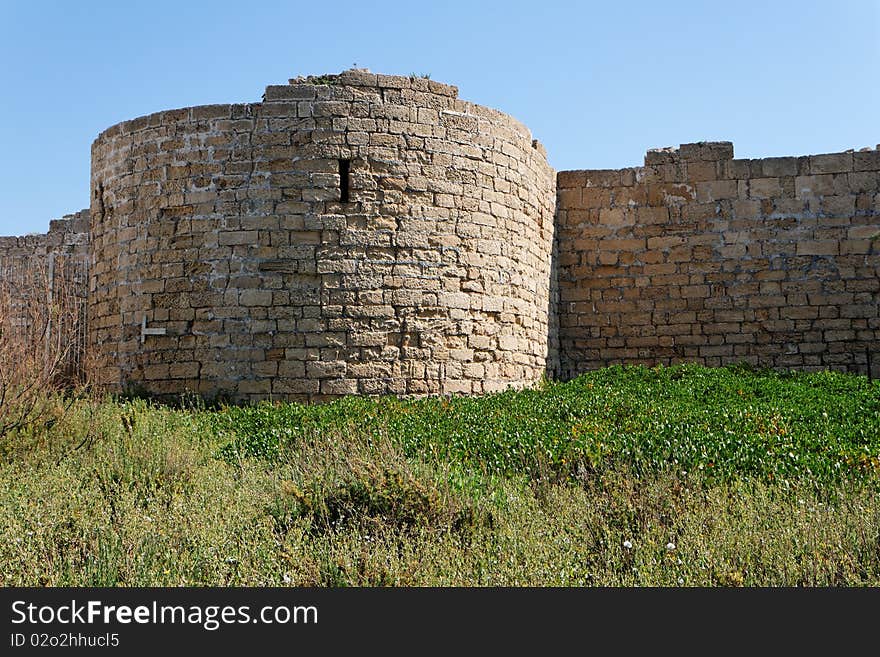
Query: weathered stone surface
{"type": "Point", "coordinates": [452, 264]}
{"type": "Point", "coordinates": [54, 263]}
{"type": "Point", "coordinates": [749, 268]}
{"type": "Point", "coordinates": [444, 236]}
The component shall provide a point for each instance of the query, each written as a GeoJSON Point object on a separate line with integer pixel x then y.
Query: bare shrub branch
{"type": "Point", "coordinates": [42, 340]}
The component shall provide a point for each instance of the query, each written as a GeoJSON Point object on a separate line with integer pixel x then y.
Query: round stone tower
{"type": "Point", "coordinates": [355, 233]}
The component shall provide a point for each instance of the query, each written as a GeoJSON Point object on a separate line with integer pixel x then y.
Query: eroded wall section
{"type": "Point", "coordinates": [67, 237]}
{"type": "Point", "coordinates": [44, 286]}
{"type": "Point", "coordinates": [701, 257]}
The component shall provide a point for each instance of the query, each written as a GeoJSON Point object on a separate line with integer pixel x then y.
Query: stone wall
{"type": "Point", "coordinates": [371, 234]}
{"type": "Point", "coordinates": [57, 258]}
{"type": "Point", "coordinates": [701, 257]}
{"type": "Point", "coordinates": [43, 271]}
{"type": "Point", "coordinates": [225, 232]}
{"type": "Point", "coordinates": [68, 236]}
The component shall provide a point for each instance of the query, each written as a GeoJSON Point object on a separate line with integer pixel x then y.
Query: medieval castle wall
{"type": "Point", "coordinates": [371, 234]}
{"type": "Point", "coordinates": [68, 237]}
{"type": "Point", "coordinates": [33, 266]}
{"type": "Point", "coordinates": [351, 234]}
{"type": "Point", "coordinates": [46, 277]}
{"type": "Point", "coordinates": [701, 257]}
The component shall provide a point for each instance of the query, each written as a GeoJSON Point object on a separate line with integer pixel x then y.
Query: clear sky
{"type": "Point", "coordinates": [597, 82]}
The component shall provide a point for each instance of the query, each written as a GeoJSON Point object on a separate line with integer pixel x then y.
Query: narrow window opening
{"type": "Point", "coordinates": [344, 168]}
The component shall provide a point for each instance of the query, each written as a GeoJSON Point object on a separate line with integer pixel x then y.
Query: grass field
{"type": "Point", "coordinates": [625, 476]}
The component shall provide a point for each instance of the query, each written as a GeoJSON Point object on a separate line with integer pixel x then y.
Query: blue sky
{"type": "Point", "coordinates": [597, 82]}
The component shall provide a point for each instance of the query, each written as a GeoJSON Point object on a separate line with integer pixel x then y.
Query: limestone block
{"type": "Point", "coordinates": [831, 163]}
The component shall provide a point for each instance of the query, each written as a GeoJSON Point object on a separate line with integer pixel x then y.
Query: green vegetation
{"type": "Point", "coordinates": [321, 79]}
{"type": "Point", "coordinates": [625, 476]}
